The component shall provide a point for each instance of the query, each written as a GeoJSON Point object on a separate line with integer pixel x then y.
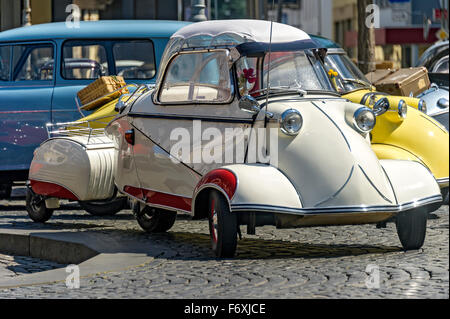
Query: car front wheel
{"type": "Point", "coordinates": [222, 226]}
{"type": "Point", "coordinates": [412, 227]}
{"type": "Point", "coordinates": [35, 206]}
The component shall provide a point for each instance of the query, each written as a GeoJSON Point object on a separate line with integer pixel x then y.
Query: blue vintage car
{"type": "Point", "coordinates": [42, 67]}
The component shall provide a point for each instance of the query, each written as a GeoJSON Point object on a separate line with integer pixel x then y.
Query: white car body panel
{"type": "Point", "coordinates": [83, 165]}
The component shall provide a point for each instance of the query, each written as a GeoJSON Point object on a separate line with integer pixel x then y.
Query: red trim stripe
{"type": "Point", "coordinates": [158, 198]}
{"type": "Point", "coordinates": [51, 190]}
{"type": "Point", "coordinates": [223, 178]}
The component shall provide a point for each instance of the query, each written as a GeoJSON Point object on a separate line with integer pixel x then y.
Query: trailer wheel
{"type": "Point", "coordinates": [411, 228]}
{"type": "Point", "coordinates": [5, 191]}
{"type": "Point", "coordinates": [104, 208]}
{"type": "Point", "coordinates": [155, 220]}
{"type": "Point", "coordinates": [35, 206]}
{"type": "Point", "coordinates": [222, 226]}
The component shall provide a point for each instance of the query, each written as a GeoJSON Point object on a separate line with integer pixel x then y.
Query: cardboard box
{"type": "Point", "coordinates": [378, 75]}
{"type": "Point", "coordinates": [402, 82]}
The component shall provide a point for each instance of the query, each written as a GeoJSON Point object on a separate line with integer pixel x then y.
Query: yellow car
{"type": "Point", "coordinates": [403, 130]}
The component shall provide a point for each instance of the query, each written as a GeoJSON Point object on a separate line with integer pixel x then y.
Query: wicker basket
{"type": "Point", "coordinates": [101, 91]}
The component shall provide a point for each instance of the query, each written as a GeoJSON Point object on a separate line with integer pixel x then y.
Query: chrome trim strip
{"type": "Point", "coordinates": [390, 183]}
{"type": "Point", "coordinates": [191, 118]}
{"type": "Point", "coordinates": [338, 191]}
{"type": "Point", "coordinates": [339, 209]}
{"type": "Point", "coordinates": [435, 124]}
{"type": "Point", "coordinates": [438, 113]}
{"type": "Point", "coordinates": [216, 187]}
{"type": "Point", "coordinates": [373, 185]}
{"type": "Point", "coordinates": [337, 126]}
{"type": "Point", "coordinates": [442, 181]}
{"type": "Point", "coordinates": [293, 185]}
{"type": "Point", "coordinates": [209, 185]}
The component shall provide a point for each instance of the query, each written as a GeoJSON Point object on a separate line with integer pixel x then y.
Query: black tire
{"type": "Point", "coordinates": [222, 226]}
{"type": "Point", "coordinates": [155, 220]}
{"type": "Point", "coordinates": [35, 206]}
{"type": "Point", "coordinates": [5, 191]}
{"type": "Point", "coordinates": [105, 208]}
{"type": "Point", "coordinates": [445, 196]}
{"type": "Point", "coordinates": [412, 227]}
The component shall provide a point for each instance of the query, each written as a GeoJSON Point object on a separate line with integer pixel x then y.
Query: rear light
{"type": "Point", "coordinates": [129, 136]}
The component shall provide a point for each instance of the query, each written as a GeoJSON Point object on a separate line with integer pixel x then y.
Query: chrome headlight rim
{"type": "Point", "coordinates": [284, 126]}
{"type": "Point", "coordinates": [443, 103]}
{"type": "Point", "coordinates": [402, 109]}
{"type": "Point", "coordinates": [357, 116]}
{"type": "Point", "coordinates": [422, 106]}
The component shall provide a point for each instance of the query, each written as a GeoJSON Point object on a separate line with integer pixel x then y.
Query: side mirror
{"type": "Point", "coordinates": [249, 104]}
{"type": "Point", "coordinates": [381, 106]}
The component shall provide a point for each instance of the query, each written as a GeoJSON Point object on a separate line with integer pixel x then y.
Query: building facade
{"type": "Point", "coordinates": [43, 11]}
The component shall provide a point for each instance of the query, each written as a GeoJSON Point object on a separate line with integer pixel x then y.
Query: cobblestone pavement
{"type": "Point", "coordinates": [12, 266]}
{"type": "Point", "coordinates": [316, 262]}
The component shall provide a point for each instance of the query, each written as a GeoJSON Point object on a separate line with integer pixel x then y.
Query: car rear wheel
{"type": "Point", "coordinates": [5, 191]}
{"type": "Point", "coordinates": [222, 226]}
{"type": "Point", "coordinates": [105, 208]}
{"type": "Point", "coordinates": [412, 227]}
{"type": "Point", "coordinates": [35, 206]}
{"type": "Point", "coordinates": [155, 220]}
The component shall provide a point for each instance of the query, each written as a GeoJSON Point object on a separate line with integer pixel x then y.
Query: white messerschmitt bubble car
{"type": "Point", "coordinates": [244, 128]}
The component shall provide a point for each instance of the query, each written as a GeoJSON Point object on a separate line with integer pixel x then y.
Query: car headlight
{"type": "Point", "coordinates": [402, 109]}
{"type": "Point", "coordinates": [365, 119]}
{"type": "Point", "coordinates": [291, 122]}
{"type": "Point", "coordinates": [442, 103]}
{"type": "Point", "coordinates": [422, 106]}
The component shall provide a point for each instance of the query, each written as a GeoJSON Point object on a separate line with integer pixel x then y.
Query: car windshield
{"type": "Point", "coordinates": [348, 77]}
{"type": "Point", "coordinates": [298, 71]}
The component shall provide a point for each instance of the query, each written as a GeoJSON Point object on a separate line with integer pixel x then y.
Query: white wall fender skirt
{"type": "Point", "coordinates": [76, 168]}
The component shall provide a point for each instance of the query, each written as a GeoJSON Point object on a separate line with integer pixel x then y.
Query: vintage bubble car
{"type": "Point", "coordinates": [34, 90]}
{"type": "Point", "coordinates": [354, 85]}
{"type": "Point", "coordinates": [401, 132]}
{"type": "Point", "coordinates": [76, 163]}
{"type": "Point", "coordinates": [245, 128]}
{"type": "Point", "coordinates": [437, 99]}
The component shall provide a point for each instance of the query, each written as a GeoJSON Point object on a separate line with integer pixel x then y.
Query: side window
{"type": "Point", "coordinates": [247, 75]}
{"type": "Point", "coordinates": [197, 77]}
{"type": "Point", "coordinates": [134, 59]}
{"type": "Point", "coordinates": [33, 62]}
{"type": "Point", "coordinates": [5, 62]}
{"type": "Point", "coordinates": [84, 60]}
